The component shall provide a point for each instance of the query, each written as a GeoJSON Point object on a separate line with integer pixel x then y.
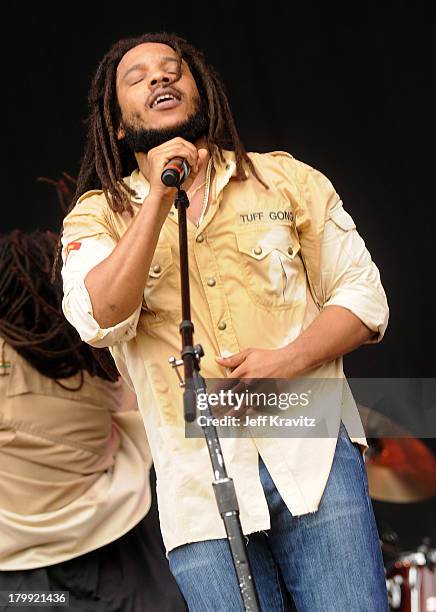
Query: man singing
{"type": "Point", "coordinates": [282, 286]}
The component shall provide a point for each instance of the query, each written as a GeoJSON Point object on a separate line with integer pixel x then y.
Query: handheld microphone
{"type": "Point", "coordinates": [175, 172]}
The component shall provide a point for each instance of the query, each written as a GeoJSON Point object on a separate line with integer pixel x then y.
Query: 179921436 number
{"type": "Point", "coordinates": [30, 598]}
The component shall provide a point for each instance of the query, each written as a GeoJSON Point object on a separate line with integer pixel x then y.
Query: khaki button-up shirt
{"type": "Point", "coordinates": [74, 465]}
{"type": "Point", "coordinates": [263, 263]}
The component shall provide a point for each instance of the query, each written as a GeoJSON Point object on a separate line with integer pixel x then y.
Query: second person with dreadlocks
{"type": "Point", "coordinates": [282, 286]}
{"type": "Point", "coordinates": [76, 511]}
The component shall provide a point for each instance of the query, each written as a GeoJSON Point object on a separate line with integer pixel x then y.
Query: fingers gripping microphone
{"type": "Point", "coordinates": [175, 172]}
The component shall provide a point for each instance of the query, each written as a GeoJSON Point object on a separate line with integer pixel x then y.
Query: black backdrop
{"type": "Point", "coordinates": [347, 88]}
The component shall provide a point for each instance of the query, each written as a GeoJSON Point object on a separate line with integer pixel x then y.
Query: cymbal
{"type": "Point", "coordinates": [400, 469]}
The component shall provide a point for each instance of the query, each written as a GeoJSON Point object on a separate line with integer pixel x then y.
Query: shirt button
{"type": "Point", "coordinates": [222, 325]}
{"type": "Point", "coordinates": [211, 282]}
{"type": "Point", "coordinates": [257, 250]}
{"type": "Point", "coordinates": [290, 250]}
{"type": "Point", "coordinates": [200, 238]}
{"type": "Point", "coordinates": [156, 269]}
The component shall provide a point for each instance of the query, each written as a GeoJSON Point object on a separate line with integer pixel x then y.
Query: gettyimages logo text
{"type": "Point", "coordinates": [227, 398]}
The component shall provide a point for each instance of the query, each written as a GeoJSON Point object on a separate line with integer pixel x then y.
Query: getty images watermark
{"type": "Point", "coordinates": [240, 406]}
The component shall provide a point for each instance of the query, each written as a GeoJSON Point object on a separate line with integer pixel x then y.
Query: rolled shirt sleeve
{"type": "Point", "coordinates": [85, 243]}
{"type": "Point", "coordinates": [349, 277]}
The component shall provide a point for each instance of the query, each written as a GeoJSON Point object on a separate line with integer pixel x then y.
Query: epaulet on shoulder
{"type": "Point", "coordinates": [284, 154]}
{"type": "Point", "coordinates": [300, 167]}
{"type": "Point", "coordinates": [281, 154]}
{"type": "Point", "coordinates": [89, 194]}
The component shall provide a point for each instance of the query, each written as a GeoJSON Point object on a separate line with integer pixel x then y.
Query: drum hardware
{"type": "Point", "coordinates": [411, 580]}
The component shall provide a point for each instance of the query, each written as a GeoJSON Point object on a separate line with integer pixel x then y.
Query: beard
{"type": "Point", "coordinates": [142, 140]}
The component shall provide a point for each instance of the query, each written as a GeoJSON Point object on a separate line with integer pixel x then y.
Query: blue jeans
{"type": "Point", "coordinates": [327, 561]}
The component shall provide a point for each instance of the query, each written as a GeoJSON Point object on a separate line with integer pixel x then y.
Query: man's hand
{"type": "Point", "coordinates": [263, 363]}
{"type": "Point", "coordinates": [152, 165]}
{"type": "Point", "coordinates": [249, 367]}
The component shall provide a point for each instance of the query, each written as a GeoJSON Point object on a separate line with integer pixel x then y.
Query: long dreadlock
{"type": "Point", "coordinates": [31, 318]}
{"type": "Point", "coordinates": [107, 160]}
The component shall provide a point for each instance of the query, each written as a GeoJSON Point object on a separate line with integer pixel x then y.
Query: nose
{"type": "Point", "coordinates": [158, 77]}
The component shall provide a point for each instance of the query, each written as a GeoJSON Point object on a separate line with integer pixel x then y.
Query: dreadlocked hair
{"type": "Point", "coordinates": [107, 160]}
{"type": "Point", "coordinates": [31, 318]}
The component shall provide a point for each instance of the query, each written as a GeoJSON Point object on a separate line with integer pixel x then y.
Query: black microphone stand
{"type": "Point", "coordinates": [194, 384]}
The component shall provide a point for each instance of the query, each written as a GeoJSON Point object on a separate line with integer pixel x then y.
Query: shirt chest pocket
{"type": "Point", "coordinates": [270, 265]}
{"type": "Point", "coordinates": [160, 297]}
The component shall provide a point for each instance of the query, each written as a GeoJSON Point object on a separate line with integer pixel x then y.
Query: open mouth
{"type": "Point", "coordinates": [164, 101]}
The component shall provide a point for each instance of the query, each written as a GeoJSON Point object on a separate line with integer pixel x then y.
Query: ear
{"type": "Point", "coordinates": [120, 132]}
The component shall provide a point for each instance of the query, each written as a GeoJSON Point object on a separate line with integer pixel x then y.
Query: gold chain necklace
{"type": "Point", "coordinates": [206, 192]}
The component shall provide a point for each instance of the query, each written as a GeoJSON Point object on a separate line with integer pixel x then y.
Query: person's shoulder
{"type": "Point", "coordinates": [93, 200]}
{"type": "Point", "coordinates": [89, 213]}
{"type": "Point", "coordinates": [96, 202]}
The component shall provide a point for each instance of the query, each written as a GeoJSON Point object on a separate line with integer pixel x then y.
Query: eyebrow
{"type": "Point", "coordinates": [142, 66]}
